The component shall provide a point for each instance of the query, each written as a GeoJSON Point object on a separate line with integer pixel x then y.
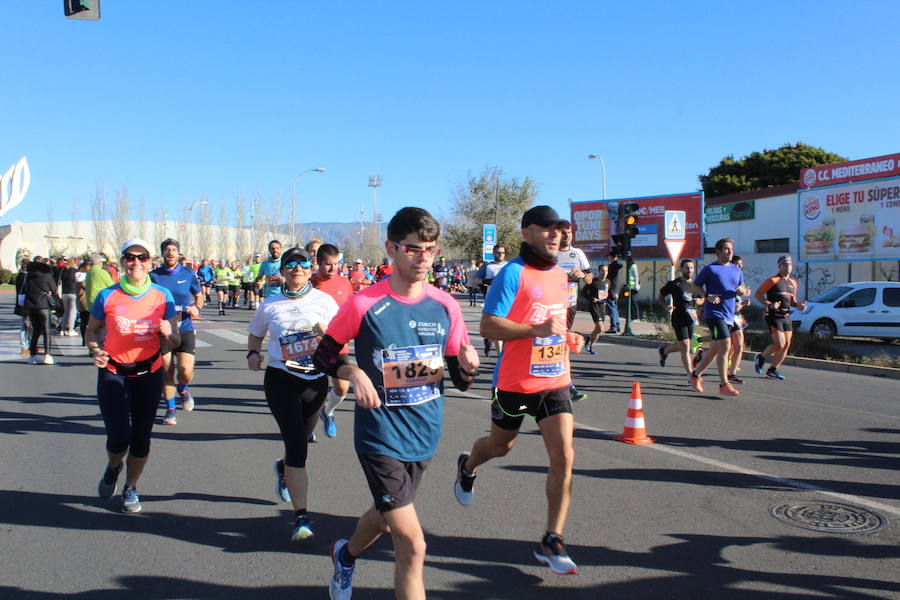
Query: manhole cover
{"type": "Point", "coordinates": [832, 517]}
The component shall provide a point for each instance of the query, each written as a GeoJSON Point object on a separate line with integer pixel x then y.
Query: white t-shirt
{"type": "Point", "coordinates": [568, 261]}
{"type": "Point", "coordinates": [290, 324]}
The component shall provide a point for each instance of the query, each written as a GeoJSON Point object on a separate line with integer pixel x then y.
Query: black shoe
{"type": "Point", "coordinates": [662, 356]}
{"type": "Point", "coordinates": [109, 483]}
{"type": "Point", "coordinates": [465, 482]}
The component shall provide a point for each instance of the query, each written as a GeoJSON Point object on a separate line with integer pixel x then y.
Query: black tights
{"type": "Point", "coordinates": [40, 323]}
{"type": "Point", "coordinates": [295, 404]}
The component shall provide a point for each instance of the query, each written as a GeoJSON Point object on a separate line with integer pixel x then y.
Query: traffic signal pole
{"type": "Point", "coordinates": [629, 290]}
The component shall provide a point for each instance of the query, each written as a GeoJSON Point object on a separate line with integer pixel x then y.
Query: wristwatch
{"type": "Point", "coordinates": [252, 352]}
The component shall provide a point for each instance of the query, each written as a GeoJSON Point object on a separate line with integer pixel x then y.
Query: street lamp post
{"type": "Point", "coordinates": [375, 182]}
{"type": "Point", "coordinates": [602, 170]}
{"type": "Point", "coordinates": [294, 199]}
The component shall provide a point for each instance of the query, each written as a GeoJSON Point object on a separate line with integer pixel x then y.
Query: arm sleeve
{"type": "Point", "coordinates": [328, 358]}
{"type": "Point", "coordinates": [461, 381]}
{"type": "Point", "coordinates": [503, 290]}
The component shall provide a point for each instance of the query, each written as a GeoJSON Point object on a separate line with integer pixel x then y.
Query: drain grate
{"type": "Point", "coordinates": [831, 517]}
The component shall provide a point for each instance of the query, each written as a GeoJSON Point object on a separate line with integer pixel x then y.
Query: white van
{"type": "Point", "coordinates": [861, 309]}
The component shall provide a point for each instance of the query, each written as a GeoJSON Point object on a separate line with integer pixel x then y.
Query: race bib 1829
{"type": "Point", "coordinates": [412, 374]}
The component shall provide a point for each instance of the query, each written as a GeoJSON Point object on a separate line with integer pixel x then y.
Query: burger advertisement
{"type": "Point", "coordinates": [852, 221]}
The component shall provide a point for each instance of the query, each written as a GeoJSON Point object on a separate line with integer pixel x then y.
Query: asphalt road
{"type": "Point", "coordinates": [686, 517]}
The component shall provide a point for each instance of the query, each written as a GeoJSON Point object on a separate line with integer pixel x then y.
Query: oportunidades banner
{"type": "Point", "coordinates": [595, 221]}
{"type": "Point", "coordinates": [853, 221]}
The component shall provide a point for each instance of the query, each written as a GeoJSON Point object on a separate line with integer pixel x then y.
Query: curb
{"type": "Point", "coordinates": [797, 361]}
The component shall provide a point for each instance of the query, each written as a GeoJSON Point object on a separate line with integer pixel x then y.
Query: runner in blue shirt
{"type": "Point", "coordinates": [720, 283]}
{"type": "Point", "coordinates": [205, 275]}
{"type": "Point", "coordinates": [185, 288]}
{"type": "Point", "coordinates": [270, 271]}
{"type": "Point", "coordinates": [404, 331]}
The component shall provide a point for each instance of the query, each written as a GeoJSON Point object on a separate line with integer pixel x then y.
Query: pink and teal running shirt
{"type": "Point", "coordinates": [132, 322]}
{"type": "Point", "coordinates": [401, 344]}
{"type": "Point", "coordinates": [525, 294]}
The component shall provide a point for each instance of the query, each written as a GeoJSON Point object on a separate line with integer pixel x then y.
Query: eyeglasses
{"type": "Point", "coordinates": [416, 251]}
{"type": "Point", "coordinates": [305, 264]}
{"type": "Point", "coordinates": [128, 257]}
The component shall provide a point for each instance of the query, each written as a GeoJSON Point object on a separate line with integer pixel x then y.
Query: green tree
{"type": "Point", "coordinates": [764, 169]}
{"type": "Point", "coordinates": [488, 198]}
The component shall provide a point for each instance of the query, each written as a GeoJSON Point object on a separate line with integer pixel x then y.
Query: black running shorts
{"type": "Point", "coordinates": [393, 483]}
{"type": "Point", "coordinates": [509, 408]}
{"type": "Point", "coordinates": [683, 326]}
{"type": "Point", "coordinates": [720, 329]}
{"type": "Point", "coordinates": [780, 323]}
{"type": "Point", "coordinates": [188, 343]}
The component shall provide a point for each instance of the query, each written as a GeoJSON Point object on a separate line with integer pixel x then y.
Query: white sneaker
{"type": "Point", "coordinates": [48, 360]}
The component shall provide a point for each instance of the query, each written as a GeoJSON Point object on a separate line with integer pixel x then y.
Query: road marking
{"type": "Point", "coordinates": [752, 472]}
{"type": "Point", "coordinates": [724, 466]}
{"type": "Point", "coordinates": [228, 334]}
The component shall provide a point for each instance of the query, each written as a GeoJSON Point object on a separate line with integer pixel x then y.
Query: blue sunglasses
{"type": "Point", "coordinates": [295, 263]}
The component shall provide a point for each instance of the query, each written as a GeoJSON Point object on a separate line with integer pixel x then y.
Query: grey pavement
{"type": "Point", "coordinates": [686, 517]}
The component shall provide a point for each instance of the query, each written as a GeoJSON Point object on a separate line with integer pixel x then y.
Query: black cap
{"type": "Point", "coordinates": [169, 242]}
{"type": "Point", "coordinates": [541, 215]}
{"type": "Point", "coordinates": [292, 254]}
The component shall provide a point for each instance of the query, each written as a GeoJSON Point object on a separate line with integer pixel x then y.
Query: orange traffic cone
{"type": "Point", "coordinates": [635, 431]}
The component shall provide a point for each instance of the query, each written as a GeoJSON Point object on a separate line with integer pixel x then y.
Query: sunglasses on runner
{"type": "Point", "coordinates": [128, 257]}
{"type": "Point", "coordinates": [305, 264]}
{"type": "Point", "coordinates": [416, 251]}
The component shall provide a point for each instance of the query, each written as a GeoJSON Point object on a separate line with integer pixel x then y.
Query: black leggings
{"type": "Point", "coordinates": [295, 404]}
{"type": "Point", "coordinates": [128, 406]}
{"type": "Point", "coordinates": [40, 324]}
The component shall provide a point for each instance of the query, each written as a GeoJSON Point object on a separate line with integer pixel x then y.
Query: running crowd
{"type": "Point", "coordinates": [407, 332]}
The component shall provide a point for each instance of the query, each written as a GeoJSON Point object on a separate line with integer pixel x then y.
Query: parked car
{"type": "Point", "coordinates": [862, 309]}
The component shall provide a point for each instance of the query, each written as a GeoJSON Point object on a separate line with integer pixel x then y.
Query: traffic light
{"type": "Point", "coordinates": [630, 217]}
{"type": "Point", "coordinates": [86, 10]}
{"type": "Point", "coordinates": [622, 244]}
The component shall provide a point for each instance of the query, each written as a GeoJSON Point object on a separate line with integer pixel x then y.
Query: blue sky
{"type": "Point", "coordinates": [175, 100]}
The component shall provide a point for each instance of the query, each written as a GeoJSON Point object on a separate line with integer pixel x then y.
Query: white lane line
{"type": "Point", "coordinates": [201, 344]}
{"type": "Point", "coordinates": [724, 466]}
{"type": "Point", "coordinates": [850, 498]}
{"type": "Point", "coordinates": [228, 334]}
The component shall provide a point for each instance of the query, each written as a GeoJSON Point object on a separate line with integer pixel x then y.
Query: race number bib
{"type": "Point", "coordinates": [548, 357]}
{"type": "Point", "coordinates": [299, 347]}
{"type": "Point", "coordinates": [412, 374]}
{"type": "Point", "coordinates": [573, 293]}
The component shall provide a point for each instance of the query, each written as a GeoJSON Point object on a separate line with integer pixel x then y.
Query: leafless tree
{"type": "Point", "coordinates": [55, 248]}
{"type": "Point", "coordinates": [121, 224]}
{"type": "Point", "coordinates": [142, 220]}
{"type": "Point", "coordinates": [161, 225]}
{"type": "Point", "coordinates": [76, 224]}
{"type": "Point", "coordinates": [204, 246]}
{"type": "Point", "coordinates": [222, 237]}
{"type": "Point", "coordinates": [257, 224]}
{"type": "Point", "coordinates": [100, 219]}
{"type": "Point", "coordinates": [273, 218]}
{"type": "Point", "coordinates": [241, 237]}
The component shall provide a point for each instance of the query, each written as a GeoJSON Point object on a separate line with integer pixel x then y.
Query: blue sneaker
{"type": "Point", "coordinates": [758, 363]}
{"type": "Point", "coordinates": [774, 374]}
{"type": "Point", "coordinates": [130, 501]}
{"type": "Point", "coordinates": [341, 585]}
{"type": "Point", "coordinates": [281, 491]}
{"type": "Point", "coordinates": [302, 528]}
{"type": "Point", "coordinates": [328, 425]}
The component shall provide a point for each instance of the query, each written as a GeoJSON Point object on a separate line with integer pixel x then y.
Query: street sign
{"type": "Point", "coordinates": [675, 248]}
{"type": "Point", "coordinates": [489, 234]}
{"type": "Point", "coordinates": [674, 224]}
{"type": "Point", "coordinates": [487, 252]}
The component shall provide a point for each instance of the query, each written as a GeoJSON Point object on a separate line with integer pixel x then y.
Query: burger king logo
{"type": "Point", "coordinates": [809, 177]}
{"type": "Point", "coordinates": [811, 208]}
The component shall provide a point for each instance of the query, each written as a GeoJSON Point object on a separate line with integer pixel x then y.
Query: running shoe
{"type": "Point", "coordinates": [35, 360]}
{"type": "Point", "coordinates": [109, 483]}
{"type": "Point", "coordinates": [48, 360]}
{"type": "Point", "coordinates": [576, 395]}
{"type": "Point", "coordinates": [555, 556]}
{"type": "Point", "coordinates": [728, 390]}
{"type": "Point", "coordinates": [589, 348]}
{"type": "Point", "coordinates": [697, 383]}
{"type": "Point", "coordinates": [464, 487]}
{"type": "Point", "coordinates": [311, 438]}
{"type": "Point", "coordinates": [774, 374]}
{"type": "Point", "coordinates": [758, 363]}
{"type": "Point", "coordinates": [487, 347]}
{"type": "Point", "coordinates": [697, 358]}
{"type": "Point", "coordinates": [735, 379]}
{"type": "Point", "coordinates": [302, 528]}
{"type": "Point", "coordinates": [130, 501]}
{"type": "Point", "coordinates": [328, 425]}
{"type": "Point", "coordinates": [187, 401]}
{"type": "Point", "coordinates": [341, 585]}
{"type": "Point", "coordinates": [169, 419]}
{"type": "Point", "coordinates": [281, 491]}
{"type": "Point", "coordinates": [662, 355]}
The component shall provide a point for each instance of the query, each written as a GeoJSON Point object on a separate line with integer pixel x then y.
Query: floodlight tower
{"type": "Point", "coordinates": [375, 183]}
